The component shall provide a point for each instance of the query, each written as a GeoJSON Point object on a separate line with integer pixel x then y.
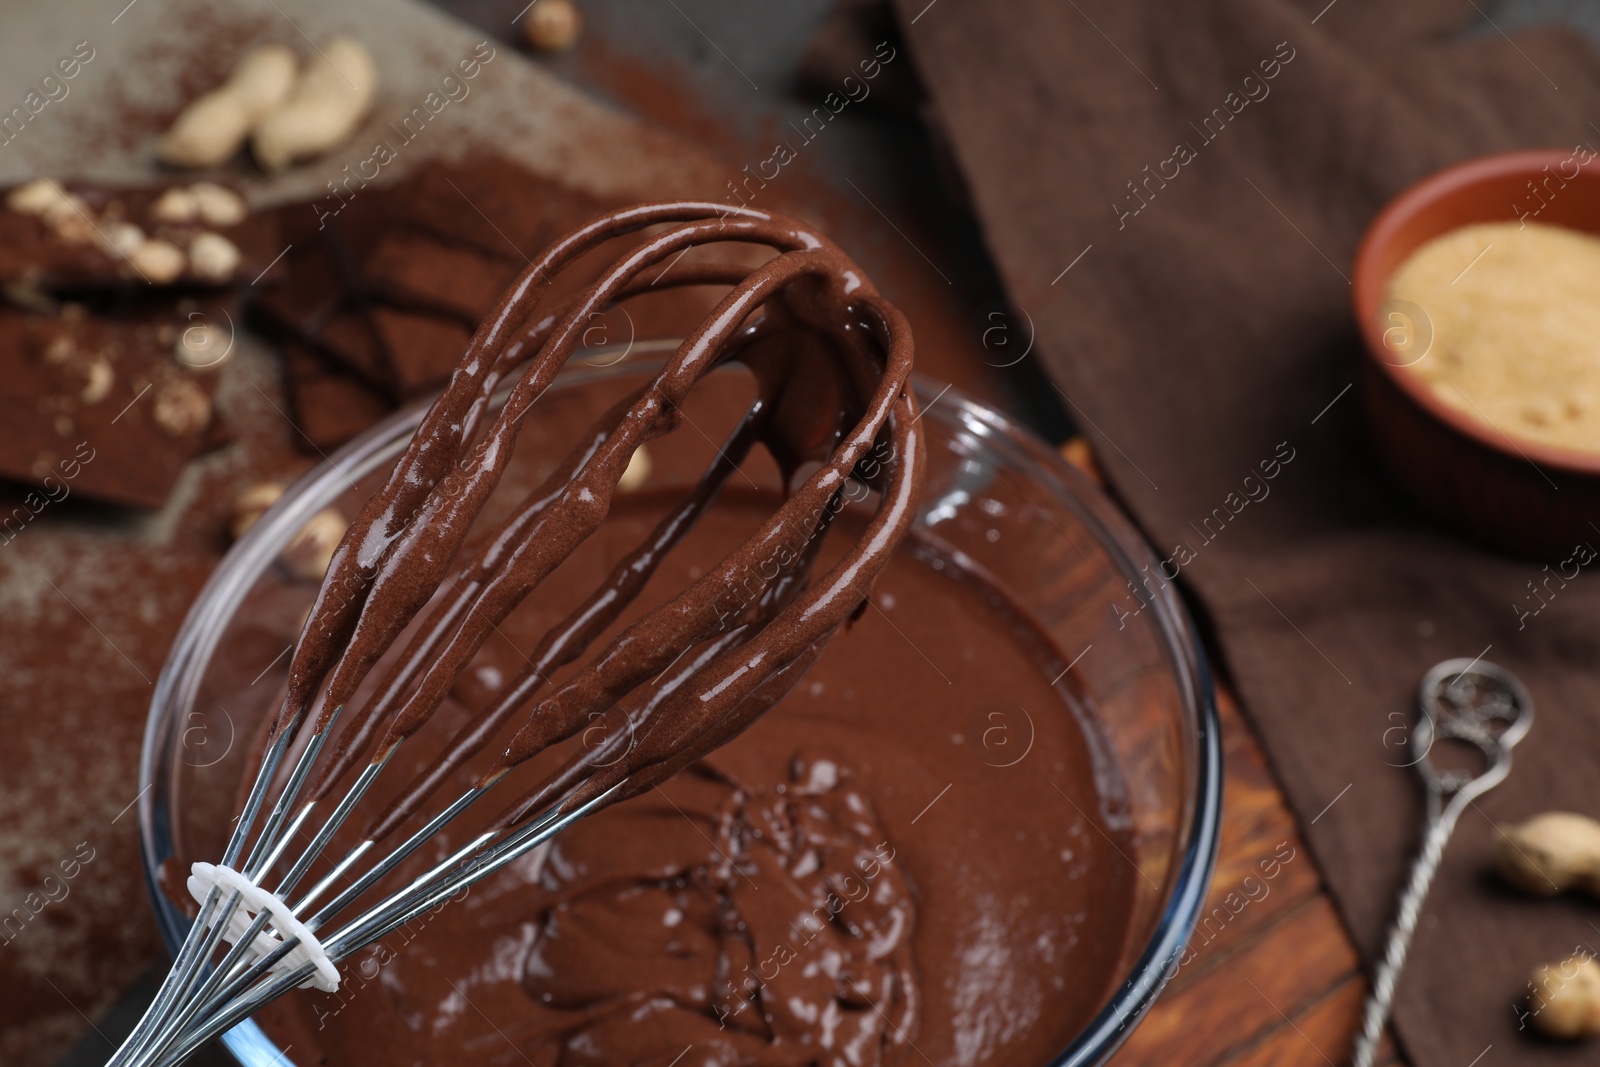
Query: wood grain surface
{"type": "Point", "coordinates": [1279, 984]}
{"type": "Point", "coordinates": [1271, 978]}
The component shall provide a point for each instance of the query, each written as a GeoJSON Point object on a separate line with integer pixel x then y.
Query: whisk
{"type": "Point", "coordinates": [831, 360]}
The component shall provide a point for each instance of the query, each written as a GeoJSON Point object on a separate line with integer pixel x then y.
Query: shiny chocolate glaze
{"type": "Point", "coordinates": [838, 407]}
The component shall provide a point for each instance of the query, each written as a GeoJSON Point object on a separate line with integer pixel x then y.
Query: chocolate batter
{"type": "Point", "coordinates": [793, 899]}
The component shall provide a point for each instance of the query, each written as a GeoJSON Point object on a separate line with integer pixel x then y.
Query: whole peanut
{"type": "Point", "coordinates": [1551, 853]}
{"type": "Point", "coordinates": [552, 25]}
{"type": "Point", "coordinates": [310, 551]}
{"type": "Point", "coordinates": [218, 205]}
{"type": "Point", "coordinates": [1566, 998]}
{"type": "Point", "coordinates": [37, 197]}
{"type": "Point", "coordinates": [249, 505]}
{"type": "Point", "coordinates": [637, 472]}
{"type": "Point", "coordinates": [327, 104]}
{"type": "Point", "coordinates": [207, 202]}
{"type": "Point", "coordinates": [212, 128]}
{"type": "Point", "coordinates": [158, 262]}
{"type": "Point", "coordinates": [212, 257]}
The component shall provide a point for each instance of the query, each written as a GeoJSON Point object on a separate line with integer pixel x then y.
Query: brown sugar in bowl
{"type": "Point", "coordinates": [1526, 498]}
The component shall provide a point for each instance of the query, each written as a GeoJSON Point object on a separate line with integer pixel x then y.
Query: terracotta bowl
{"type": "Point", "coordinates": [1525, 498]}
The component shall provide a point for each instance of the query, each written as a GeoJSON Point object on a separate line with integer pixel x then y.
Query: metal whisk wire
{"type": "Point", "coordinates": [398, 553]}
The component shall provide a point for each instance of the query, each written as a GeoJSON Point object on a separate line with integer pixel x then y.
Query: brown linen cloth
{"type": "Point", "coordinates": [1199, 326]}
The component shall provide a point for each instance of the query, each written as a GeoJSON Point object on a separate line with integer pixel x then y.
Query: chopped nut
{"type": "Point", "coordinates": [29, 297]}
{"type": "Point", "coordinates": [100, 377]}
{"type": "Point", "coordinates": [60, 349]}
{"type": "Point", "coordinates": [158, 262]}
{"type": "Point", "coordinates": [311, 550]}
{"type": "Point", "coordinates": [637, 472]}
{"type": "Point", "coordinates": [63, 425]}
{"type": "Point", "coordinates": [1078, 453]}
{"type": "Point", "coordinates": [249, 505]}
{"type": "Point", "coordinates": [74, 230]}
{"type": "Point", "coordinates": [1566, 998]}
{"type": "Point", "coordinates": [176, 205]}
{"type": "Point", "coordinates": [181, 407]}
{"type": "Point", "coordinates": [218, 205]}
{"type": "Point", "coordinates": [35, 198]}
{"type": "Point", "coordinates": [120, 238]}
{"type": "Point", "coordinates": [1551, 852]}
{"type": "Point", "coordinates": [552, 25]}
{"type": "Point", "coordinates": [68, 218]}
{"type": "Point", "coordinates": [213, 257]}
{"type": "Point", "coordinates": [202, 345]}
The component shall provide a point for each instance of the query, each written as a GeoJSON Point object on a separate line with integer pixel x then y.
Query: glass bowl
{"type": "Point", "coordinates": [1078, 566]}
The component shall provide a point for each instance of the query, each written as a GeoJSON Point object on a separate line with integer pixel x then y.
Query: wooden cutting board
{"type": "Point", "coordinates": [137, 64]}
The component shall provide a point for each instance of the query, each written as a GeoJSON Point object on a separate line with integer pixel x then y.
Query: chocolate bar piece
{"type": "Point", "coordinates": [417, 271]}
{"type": "Point", "coordinates": [329, 404]}
{"type": "Point", "coordinates": [492, 205]}
{"type": "Point", "coordinates": [56, 236]}
{"type": "Point", "coordinates": [101, 404]}
{"type": "Point", "coordinates": [312, 298]}
{"type": "Point", "coordinates": [325, 318]}
{"type": "Point", "coordinates": [422, 350]}
{"type": "Point", "coordinates": [376, 303]}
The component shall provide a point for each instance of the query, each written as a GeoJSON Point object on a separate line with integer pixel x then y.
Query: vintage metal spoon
{"type": "Point", "coordinates": [1464, 700]}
